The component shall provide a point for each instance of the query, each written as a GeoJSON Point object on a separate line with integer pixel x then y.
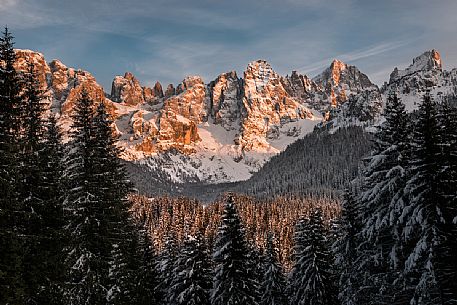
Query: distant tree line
{"type": "Point", "coordinates": [321, 164]}
{"type": "Point", "coordinates": [177, 217]}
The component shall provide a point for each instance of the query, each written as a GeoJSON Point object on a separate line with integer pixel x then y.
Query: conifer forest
{"type": "Point", "coordinates": [361, 210]}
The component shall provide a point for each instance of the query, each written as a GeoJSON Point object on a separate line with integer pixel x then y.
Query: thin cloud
{"type": "Point", "coordinates": [356, 55]}
{"type": "Point", "coordinates": [6, 4]}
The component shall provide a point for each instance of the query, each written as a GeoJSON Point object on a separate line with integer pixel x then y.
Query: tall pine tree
{"type": "Point", "coordinates": [53, 237]}
{"type": "Point", "coordinates": [311, 281]}
{"type": "Point", "coordinates": [423, 220]}
{"type": "Point", "coordinates": [89, 247]}
{"type": "Point", "coordinates": [345, 248]}
{"type": "Point", "coordinates": [147, 277]}
{"type": "Point", "coordinates": [192, 280]}
{"type": "Point", "coordinates": [32, 189]}
{"type": "Point", "coordinates": [383, 200]}
{"type": "Point", "coordinates": [11, 215]}
{"type": "Point", "coordinates": [447, 121]}
{"type": "Point", "coordinates": [113, 187]}
{"type": "Point", "coordinates": [233, 283]}
{"type": "Point", "coordinates": [273, 287]}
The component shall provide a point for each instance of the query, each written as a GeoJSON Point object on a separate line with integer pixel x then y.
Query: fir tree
{"type": "Point", "coordinates": [447, 121]}
{"type": "Point", "coordinates": [445, 264]}
{"type": "Point", "coordinates": [89, 247]}
{"type": "Point", "coordinates": [311, 280]}
{"type": "Point", "coordinates": [383, 200]}
{"type": "Point", "coordinates": [147, 277]}
{"type": "Point", "coordinates": [423, 217]}
{"type": "Point", "coordinates": [345, 248]}
{"type": "Point", "coordinates": [11, 281]}
{"type": "Point", "coordinates": [113, 187]}
{"type": "Point", "coordinates": [233, 283]}
{"type": "Point", "coordinates": [54, 237]}
{"type": "Point", "coordinates": [165, 267]}
{"type": "Point", "coordinates": [32, 189]}
{"type": "Point", "coordinates": [192, 280]}
{"type": "Point", "coordinates": [272, 290]}
{"type": "Point", "coordinates": [120, 277]}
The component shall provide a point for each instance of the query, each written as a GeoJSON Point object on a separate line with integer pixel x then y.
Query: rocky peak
{"type": "Point", "coordinates": [41, 68]}
{"type": "Point", "coordinates": [261, 73]}
{"type": "Point", "coordinates": [153, 95]}
{"type": "Point", "coordinates": [267, 106]}
{"type": "Point", "coordinates": [225, 94]}
{"type": "Point", "coordinates": [170, 91]}
{"type": "Point", "coordinates": [341, 80]}
{"type": "Point", "coordinates": [127, 89]}
{"type": "Point", "coordinates": [300, 86]}
{"type": "Point", "coordinates": [427, 61]}
{"type": "Point", "coordinates": [158, 91]}
{"type": "Point", "coordinates": [337, 67]}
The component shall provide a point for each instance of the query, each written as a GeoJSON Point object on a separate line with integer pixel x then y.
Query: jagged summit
{"type": "Point", "coordinates": [341, 80]}
{"type": "Point", "coordinates": [427, 61]}
{"type": "Point", "coordinates": [339, 71]}
{"type": "Point", "coordinates": [425, 74]}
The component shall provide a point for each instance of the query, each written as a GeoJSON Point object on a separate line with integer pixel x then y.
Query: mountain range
{"type": "Point", "coordinates": [226, 129]}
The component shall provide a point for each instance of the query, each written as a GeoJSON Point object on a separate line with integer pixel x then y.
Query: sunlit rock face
{"type": "Point", "coordinates": [226, 93]}
{"type": "Point", "coordinates": [340, 80]}
{"type": "Point", "coordinates": [267, 106]}
{"type": "Point", "coordinates": [61, 85]}
{"type": "Point", "coordinates": [230, 126]}
{"type": "Point", "coordinates": [127, 89]}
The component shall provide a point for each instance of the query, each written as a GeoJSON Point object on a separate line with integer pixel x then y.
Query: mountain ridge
{"type": "Point", "coordinates": [226, 129]}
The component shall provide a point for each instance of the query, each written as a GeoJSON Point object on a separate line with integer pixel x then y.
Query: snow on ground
{"type": "Point", "coordinates": [218, 159]}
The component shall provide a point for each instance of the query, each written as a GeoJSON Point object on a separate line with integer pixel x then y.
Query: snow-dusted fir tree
{"type": "Point", "coordinates": [233, 283]}
{"type": "Point", "coordinates": [11, 281]}
{"type": "Point", "coordinates": [311, 279]}
{"type": "Point", "coordinates": [423, 218]}
{"type": "Point", "coordinates": [42, 202]}
{"type": "Point", "coordinates": [89, 245]}
{"type": "Point", "coordinates": [166, 262]}
{"type": "Point", "coordinates": [447, 120]}
{"type": "Point", "coordinates": [147, 277]}
{"type": "Point", "coordinates": [345, 249]}
{"type": "Point", "coordinates": [192, 280]}
{"type": "Point", "coordinates": [31, 188]}
{"type": "Point", "coordinates": [113, 187]}
{"type": "Point", "coordinates": [54, 237]}
{"type": "Point", "coordinates": [382, 201]}
{"type": "Point", "coordinates": [273, 287]}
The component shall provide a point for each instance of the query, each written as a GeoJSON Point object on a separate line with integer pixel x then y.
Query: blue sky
{"type": "Point", "coordinates": [167, 40]}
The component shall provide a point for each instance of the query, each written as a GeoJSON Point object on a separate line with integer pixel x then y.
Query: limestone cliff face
{"type": "Point", "coordinates": [61, 85]}
{"type": "Point", "coordinates": [41, 68]}
{"type": "Point", "coordinates": [340, 80]}
{"type": "Point", "coordinates": [226, 96]}
{"type": "Point", "coordinates": [180, 115]}
{"type": "Point", "coordinates": [267, 106]}
{"type": "Point", "coordinates": [127, 89]}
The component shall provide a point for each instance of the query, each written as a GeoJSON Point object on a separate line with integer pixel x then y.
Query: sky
{"type": "Point", "coordinates": [168, 40]}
